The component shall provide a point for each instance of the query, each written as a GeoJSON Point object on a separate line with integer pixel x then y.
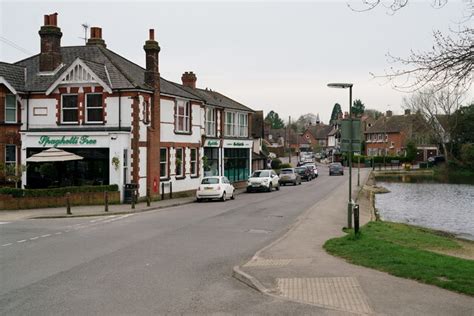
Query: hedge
{"type": "Point", "coordinates": [57, 191]}
{"type": "Point", "coordinates": [379, 159]}
{"type": "Point", "coordinates": [285, 165]}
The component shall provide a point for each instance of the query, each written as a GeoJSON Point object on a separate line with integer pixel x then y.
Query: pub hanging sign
{"type": "Point", "coordinates": [56, 141]}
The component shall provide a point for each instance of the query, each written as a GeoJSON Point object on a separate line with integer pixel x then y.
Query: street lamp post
{"type": "Point", "coordinates": [350, 203]}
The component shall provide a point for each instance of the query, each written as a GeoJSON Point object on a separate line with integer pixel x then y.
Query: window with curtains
{"type": "Point", "coordinates": [229, 123]}
{"type": "Point", "coordinates": [243, 125]}
{"type": "Point", "coordinates": [194, 162]}
{"type": "Point", "coordinates": [236, 124]}
{"type": "Point", "coordinates": [10, 108]}
{"type": "Point", "coordinates": [210, 121]}
{"type": "Point", "coordinates": [183, 116]}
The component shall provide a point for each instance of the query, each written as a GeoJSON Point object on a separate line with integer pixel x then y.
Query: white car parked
{"type": "Point", "coordinates": [215, 188]}
{"type": "Point", "coordinates": [264, 180]}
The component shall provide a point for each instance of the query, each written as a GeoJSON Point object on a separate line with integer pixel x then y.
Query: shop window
{"type": "Point", "coordinates": [94, 108]}
{"type": "Point", "coordinates": [163, 163]}
{"type": "Point", "coordinates": [10, 159]}
{"type": "Point", "coordinates": [182, 116]}
{"type": "Point", "coordinates": [210, 122]}
{"type": "Point", "coordinates": [10, 108]}
{"type": "Point", "coordinates": [194, 162]}
{"type": "Point", "coordinates": [243, 125]}
{"type": "Point", "coordinates": [236, 164]}
{"type": "Point", "coordinates": [229, 123]}
{"type": "Point", "coordinates": [69, 108]}
{"type": "Point", "coordinates": [179, 162]}
{"type": "Point", "coordinates": [211, 161]}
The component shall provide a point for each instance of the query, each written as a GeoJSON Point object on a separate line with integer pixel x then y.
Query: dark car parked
{"type": "Point", "coordinates": [436, 160]}
{"type": "Point", "coordinates": [336, 168]}
{"type": "Point", "coordinates": [305, 173]}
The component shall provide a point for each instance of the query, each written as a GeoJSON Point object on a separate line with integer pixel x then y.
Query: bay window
{"type": "Point", "coordinates": [229, 123]}
{"type": "Point", "coordinates": [210, 121]}
{"type": "Point", "coordinates": [236, 124]}
{"type": "Point", "coordinates": [243, 125]}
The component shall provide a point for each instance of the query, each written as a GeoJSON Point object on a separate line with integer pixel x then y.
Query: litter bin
{"type": "Point", "coordinates": [128, 192]}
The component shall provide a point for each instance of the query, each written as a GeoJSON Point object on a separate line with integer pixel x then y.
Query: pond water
{"type": "Point", "coordinates": [441, 206]}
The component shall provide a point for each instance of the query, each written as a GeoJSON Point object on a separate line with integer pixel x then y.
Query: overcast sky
{"type": "Point", "coordinates": [268, 55]}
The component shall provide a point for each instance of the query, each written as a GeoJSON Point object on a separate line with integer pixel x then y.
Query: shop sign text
{"type": "Point", "coordinates": [66, 140]}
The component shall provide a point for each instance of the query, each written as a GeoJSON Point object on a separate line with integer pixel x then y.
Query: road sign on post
{"type": "Point", "coordinates": [346, 135]}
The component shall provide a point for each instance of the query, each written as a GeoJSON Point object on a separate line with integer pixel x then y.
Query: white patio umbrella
{"type": "Point", "coordinates": [52, 155]}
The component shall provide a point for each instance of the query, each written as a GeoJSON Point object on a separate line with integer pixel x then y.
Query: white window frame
{"type": "Point", "coordinates": [11, 162]}
{"type": "Point", "coordinates": [125, 165]}
{"type": "Point", "coordinates": [186, 116]}
{"type": "Point", "coordinates": [182, 162]}
{"type": "Point", "coordinates": [165, 163]}
{"type": "Point", "coordinates": [93, 108]}
{"type": "Point", "coordinates": [380, 137]}
{"type": "Point", "coordinates": [243, 125]}
{"type": "Point", "coordinates": [69, 109]}
{"type": "Point", "coordinates": [229, 125]}
{"type": "Point", "coordinates": [11, 108]}
{"type": "Point", "coordinates": [210, 124]}
{"type": "Point", "coordinates": [195, 161]}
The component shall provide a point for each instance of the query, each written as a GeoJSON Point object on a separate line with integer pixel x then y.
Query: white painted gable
{"type": "Point", "coordinates": [80, 73]}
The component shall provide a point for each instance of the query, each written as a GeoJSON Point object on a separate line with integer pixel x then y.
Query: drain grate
{"type": "Point", "coordinates": [343, 293]}
{"type": "Point", "coordinates": [268, 263]}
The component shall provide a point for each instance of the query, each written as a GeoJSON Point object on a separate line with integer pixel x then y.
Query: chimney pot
{"type": "Point", "coordinates": [388, 113]}
{"type": "Point", "coordinates": [189, 79]}
{"type": "Point", "coordinates": [50, 33]}
{"type": "Point", "coordinates": [96, 37]}
{"type": "Point", "coordinates": [407, 112]}
{"type": "Point", "coordinates": [152, 34]}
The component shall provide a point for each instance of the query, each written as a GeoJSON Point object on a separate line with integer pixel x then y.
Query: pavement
{"type": "Point", "coordinates": [296, 268]}
{"type": "Point", "coordinates": [93, 210]}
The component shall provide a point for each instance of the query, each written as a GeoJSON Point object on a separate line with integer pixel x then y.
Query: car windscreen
{"type": "Point", "coordinates": [286, 171]}
{"type": "Point", "coordinates": [261, 174]}
{"type": "Point", "coordinates": [210, 181]}
{"type": "Point", "coordinates": [300, 170]}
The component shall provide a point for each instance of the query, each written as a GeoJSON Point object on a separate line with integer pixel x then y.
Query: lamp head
{"type": "Point", "coordinates": [340, 85]}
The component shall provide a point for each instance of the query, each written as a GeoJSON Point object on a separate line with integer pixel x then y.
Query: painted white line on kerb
{"type": "Point", "coordinates": [47, 235]}
{"type": "Point", "coordinates": [34, 238]}
{"type": "Point", "coordinates": [4, 245]}
{"type": "Point", "coordinates": [19, 241]}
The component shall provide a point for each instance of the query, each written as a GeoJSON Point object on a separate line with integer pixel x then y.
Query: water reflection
{"type": "Point", "coordinates": [441, 206]}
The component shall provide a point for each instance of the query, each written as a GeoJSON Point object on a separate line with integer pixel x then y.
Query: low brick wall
{"type": "Point", "coordinates": [8, 202]}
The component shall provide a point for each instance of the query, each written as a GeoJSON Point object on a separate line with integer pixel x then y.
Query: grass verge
{"type": "Point", "coordinates": [404, 251]}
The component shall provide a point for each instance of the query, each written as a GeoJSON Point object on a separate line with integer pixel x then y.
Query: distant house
{"type": "Point", "coordinates": [317, 135]}
{"type": "Point", "coordinates": [390, 134]}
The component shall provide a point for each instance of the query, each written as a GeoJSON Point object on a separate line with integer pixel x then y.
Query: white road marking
{"type": "Point", "coordinates": [58, 233]}
{"type": "Point", "coordinates": [19, 241]}
{"type": "Point", "coordinates": [34, 238]}
{"type": "Point", "coordinates": [47, 235]}
{"type": "Point", "coordinates": [3, 223]}
{"type": "Point", "coordinates": [4, 245]}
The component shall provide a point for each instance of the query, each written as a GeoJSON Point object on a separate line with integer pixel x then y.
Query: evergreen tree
{"type": "Point", "coordinates": [274, 120]}
{"type": "Point", "coordinates": [358, 107]}
{"type": "Point", "coordinates": [336, 112]}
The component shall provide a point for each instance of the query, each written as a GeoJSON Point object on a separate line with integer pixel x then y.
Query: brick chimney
{"type": "Point", "coordinates": [152, 79]}
{"type": "Point", "coordinates": [50, 33]}
{"type": "Point", "coordinates": [96, 37]}
{"type": "Point", "coordinates": [189, 79]}
{"type": "Point", "coordinates": [388, 113]}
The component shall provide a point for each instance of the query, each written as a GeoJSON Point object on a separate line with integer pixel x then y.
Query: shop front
{"type": "Point", "coordinates": [212, 157]}
{"type": "Point", "coordinates": [104, 159]}
{"type": "Point", "coordinates": [237, 156]}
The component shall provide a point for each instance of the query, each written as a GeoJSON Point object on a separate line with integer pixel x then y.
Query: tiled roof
{"type": "Point", "coordinates": [396, 123]}
{"type": "Point", "coordinates": [14, 75]}
{"type": "Point", "coordinates": [122, 72]}
{"type": "Point", "coordinates": [320, 131]}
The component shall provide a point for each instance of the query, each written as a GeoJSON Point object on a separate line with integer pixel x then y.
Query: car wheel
{"type": "Point", "coordinates": [294, 183]}
{"type": "Point", "coordinates": [270, 187]}
{"type": "Point", "coordinates": [248, 190]}
{"type": "Point", "coordinates": [278, 187]}
{"type": "Point", "coordinates": [198, 200]}
{"type": "Point", "coordinates": [223, 197]}
{"type": "Point", "coordinates": [232, 197]}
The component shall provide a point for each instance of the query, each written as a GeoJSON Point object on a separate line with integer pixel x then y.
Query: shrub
{"type": "Point", "coordinates": [57, 191]}
{"type": "Point", "coordinates": [285, 165]}
{"type": "Point", "coordinates": [276, 163]}
{"type": "Point", "coordinates": [467, 155]}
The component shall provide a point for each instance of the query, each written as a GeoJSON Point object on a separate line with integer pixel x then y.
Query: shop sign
{"type": "Point", "coordinates": [238, 143]}
{"type": "Point", "coordinates": [211, 143]}
{"type": "Point", "coordinates": [66, 140]}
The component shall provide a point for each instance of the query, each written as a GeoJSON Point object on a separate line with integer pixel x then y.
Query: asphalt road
{"type": "Point", "coordinates": [177, 260]}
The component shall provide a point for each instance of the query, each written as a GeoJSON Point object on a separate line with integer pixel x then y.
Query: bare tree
{"type": "Point", "coordinates": [450, 63]}
{"type": "Point", "coordinates": [438, 108]}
